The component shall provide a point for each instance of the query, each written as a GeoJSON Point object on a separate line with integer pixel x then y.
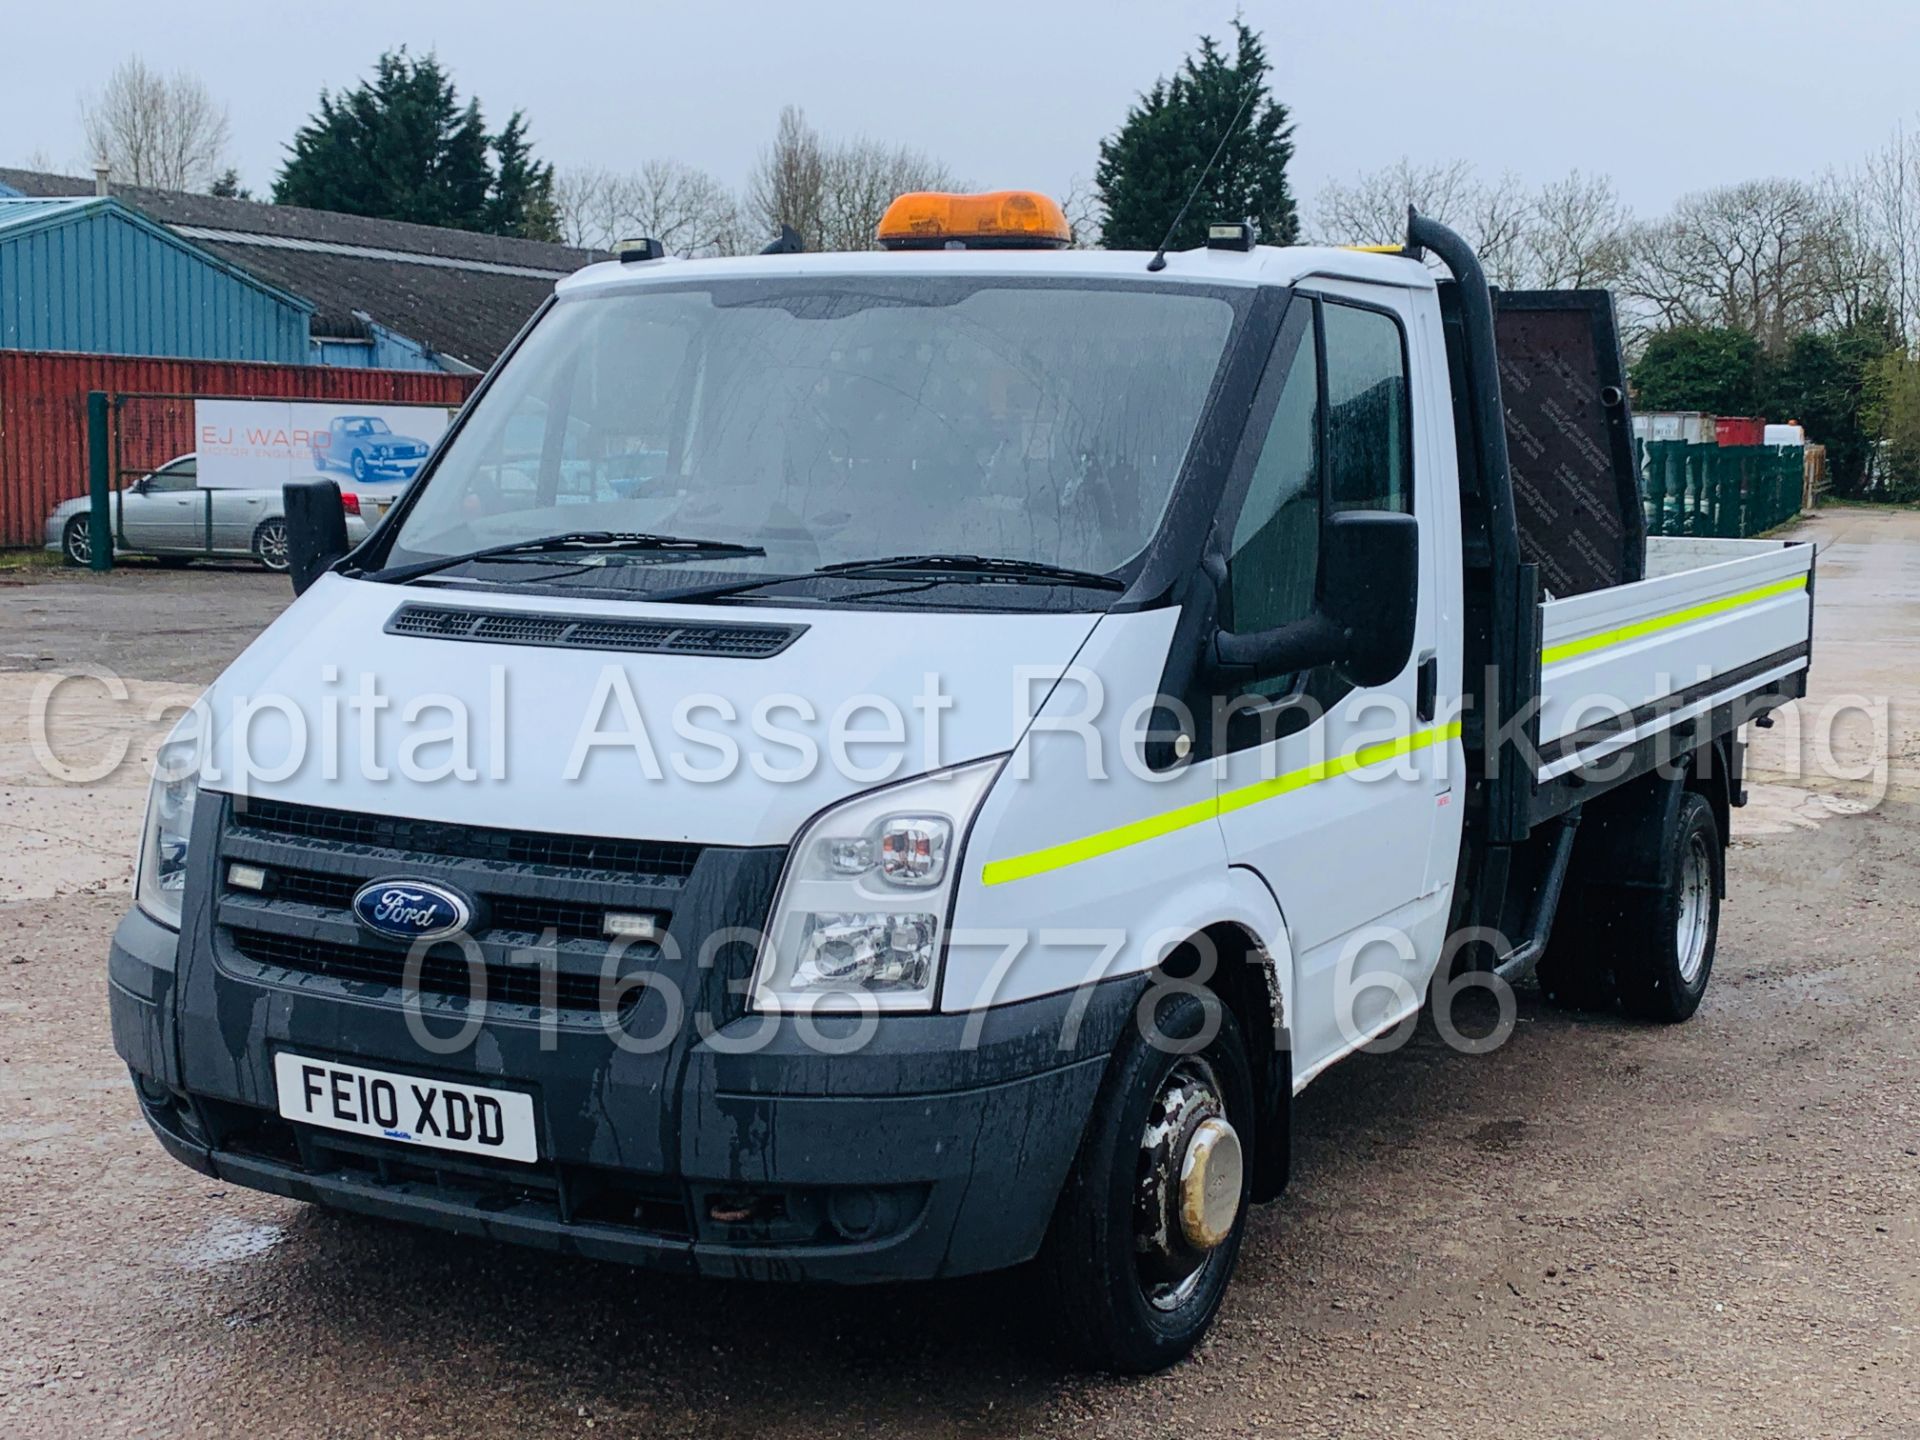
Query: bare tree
{"type": "Point", "coordinates": [788, 184]}
{"type": "Point", "coordinates": [833, 192]}
{"type": "Point", "coordinates": [1085, 216]}
{"type": "Point", "coordinates": [863, 177]}
{"type": "Point", "coordinates": [1766, 256]}
{"type": "Point", "coordinates": [687, 210]}
{"type": "Point", "coordinates": [156, 130]}
{"type": "Point", "coordinates": [1577, 234]}
{"type": "Point", "coordinates": [1372, 210]}
{"type": "Point", "coordinates": [1887, 196]}
{"type": "Point", "coordinates": [1859, 269]}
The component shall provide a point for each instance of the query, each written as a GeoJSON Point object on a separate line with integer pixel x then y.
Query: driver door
{"type": "Point", "coordinates": [166, 510]}
{"type": "Point", "coordinates": [1313, 796]}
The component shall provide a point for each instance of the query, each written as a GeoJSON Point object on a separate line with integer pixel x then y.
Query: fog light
{"type": "Point", "coordinates": [624, 925]}
{"type": "Point", "coordinates": [246, 877]}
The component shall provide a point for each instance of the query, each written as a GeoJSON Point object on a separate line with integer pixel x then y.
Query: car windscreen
{"type": "Point", "coordinates": [837, 420]}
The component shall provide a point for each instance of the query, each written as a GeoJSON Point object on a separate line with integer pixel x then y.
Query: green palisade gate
{"type": "Point", "coordinates": [1729, 491]}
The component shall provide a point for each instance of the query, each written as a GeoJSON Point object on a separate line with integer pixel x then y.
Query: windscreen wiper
{"type": "Point", "coordinates": [974, 567]}
{"type": "Point", "coordinates": [593, 542]}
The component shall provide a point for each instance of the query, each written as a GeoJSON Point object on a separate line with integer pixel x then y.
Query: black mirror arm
{"type": "Point", "coordinates": [1313, 641]}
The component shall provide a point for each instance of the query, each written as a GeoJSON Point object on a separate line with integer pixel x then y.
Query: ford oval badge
{"type": "Point", "coordinates": [411, 909]}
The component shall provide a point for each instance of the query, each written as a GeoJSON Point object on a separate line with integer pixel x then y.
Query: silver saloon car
{"type": "Point", "coordinates": [167, 513]}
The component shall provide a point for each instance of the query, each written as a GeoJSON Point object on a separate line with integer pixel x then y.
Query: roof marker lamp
{"type": "Point", "coordinates": [160, 878]}
{"type": "Point", "coordinates": [860, 918]}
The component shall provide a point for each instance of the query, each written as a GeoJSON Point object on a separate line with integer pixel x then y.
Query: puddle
{"type": "Point", "coordinates": [227, 1240]}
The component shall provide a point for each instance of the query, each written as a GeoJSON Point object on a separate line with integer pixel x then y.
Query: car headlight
{"type": "Point", "coordinates": [861, 914]}
{"type": "Point", "coordinates": [160, 878]}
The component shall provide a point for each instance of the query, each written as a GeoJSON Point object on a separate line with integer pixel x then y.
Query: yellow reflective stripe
{"type": "Point", "coordinates": [1394, 249]}
{"type": "Point", "coordinates": [1603, 639]}
{"type": "Point", "coordinates": [1105, 842]}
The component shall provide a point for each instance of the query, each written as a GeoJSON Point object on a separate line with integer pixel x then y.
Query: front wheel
{"type": "Point", "coordinates": [270, 545]}
{"type": "Point", "coordinates": [76, 541]}
{"type": "Point", "coordinates": [1147, 1230]}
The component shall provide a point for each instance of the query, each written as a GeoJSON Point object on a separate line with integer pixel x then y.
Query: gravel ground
{"type": "Point", "coordinates": [1598, 1229]}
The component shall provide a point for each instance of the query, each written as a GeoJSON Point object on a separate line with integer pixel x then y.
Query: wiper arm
{"type": "Point", "coordinates": [988, 568]}
{"type": "Point", "coordinates": [590, 541]}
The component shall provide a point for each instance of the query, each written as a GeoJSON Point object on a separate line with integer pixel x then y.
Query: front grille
{"type": "Point", "coordinates": [523, 914]}
{"type": "Point", "coordinates": [443, 971]}
{"type": "Point", "coordinates": [633, 637]}
{"type": "Point", "coordinates": [654, 862]}
{"type": "Point", "coordinates": [525, 884]}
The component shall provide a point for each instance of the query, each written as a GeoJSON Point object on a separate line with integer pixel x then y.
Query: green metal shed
{"type": "Point", "coordinates": [87, 274]}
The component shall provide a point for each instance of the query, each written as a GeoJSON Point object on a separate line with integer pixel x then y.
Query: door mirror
{"type": "Point", "coordinates": [1363, 620]}
{"type": "Point", "coordinates": [316, 529]}
{"type": "Point", "coordinates": [1372, 591]}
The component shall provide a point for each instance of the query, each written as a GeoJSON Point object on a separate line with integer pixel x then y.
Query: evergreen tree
{"type": "Point", "coordinates": [1152, 161]}
{"type": "Point", "coordinates": [402, 146]}
{"type": "Point", "coordinates": [522, 199]}
{"type": "Point", "coordinates": [1717, 369]}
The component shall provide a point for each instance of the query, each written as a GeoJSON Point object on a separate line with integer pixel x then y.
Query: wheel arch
{"type": "Point", "coordinates": [1251, 973]}
{"type": "Point", "coordinates": [1622, 830]}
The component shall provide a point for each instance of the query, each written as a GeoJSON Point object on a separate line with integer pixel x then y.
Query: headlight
{"type": "Point", "coordinates": [862, 910]}
{"type": "Point", "coordinates": [160, 879]}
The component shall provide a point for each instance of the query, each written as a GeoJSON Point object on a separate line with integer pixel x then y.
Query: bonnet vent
{"type": "Point", "coordinates": [562, 632]}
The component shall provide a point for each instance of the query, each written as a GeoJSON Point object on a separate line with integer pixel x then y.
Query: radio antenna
{"type": "Point", "coordinates": [1159, 260]}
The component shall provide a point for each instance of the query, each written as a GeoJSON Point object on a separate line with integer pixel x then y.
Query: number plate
{"type": "Point", "coordinates": [386, 1106]}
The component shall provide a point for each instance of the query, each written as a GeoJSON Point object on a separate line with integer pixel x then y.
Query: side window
{"type": "Point", "coordinates": [1368, 461]}
{"type": "Point", "coordinates": [173, 477]}
{"type": "Point", "coordinates": [1274, 563]}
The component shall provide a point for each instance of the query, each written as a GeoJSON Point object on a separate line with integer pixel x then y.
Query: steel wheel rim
{"type": "Point", "coordinates": [1169, 1270]}
{"type": "Point", "coordinates": [273, 546]}
{"type": "Point", "coordinates": [1696, 909]}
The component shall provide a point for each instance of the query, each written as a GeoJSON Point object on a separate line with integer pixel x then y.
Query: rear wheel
{"type": "Point", "coordinates": [1663, 973]}
{"type": "Point", "coordinates": [1148, 1227]}
{"type": "Point", "coordinates": [270, 544]}
{"type": "Point", "coordinates": [1650, 947]}
{"type": "Point", "coordinates": [76, 541]}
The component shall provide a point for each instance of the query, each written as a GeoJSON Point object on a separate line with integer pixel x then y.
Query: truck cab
{"type": "Point", "coordinates": [860, 767]}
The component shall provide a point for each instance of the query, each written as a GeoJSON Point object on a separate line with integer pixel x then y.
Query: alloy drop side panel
{"type": "Point", "coordinates": [1624, 662]}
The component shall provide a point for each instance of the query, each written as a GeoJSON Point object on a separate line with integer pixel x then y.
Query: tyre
{"type": "Point", "coordinates": [1647, 947]}
{"type": "Point", "coordinates": [270, 545]}
{"type": "Point", "coordinates": [1666, 936]}
{"type": "Point", "coordinates": [76, 541]}
{"type": "Point", "coordinates": [1148, 1227]}
{"type": "Point", "coordinates": [360, 467]}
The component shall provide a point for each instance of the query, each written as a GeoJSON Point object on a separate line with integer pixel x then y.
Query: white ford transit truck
{"type": "Point", "coordinates": [856, 767]}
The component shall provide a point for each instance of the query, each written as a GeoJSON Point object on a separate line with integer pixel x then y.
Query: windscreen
{"type": "Point", "coordinates": [842, 420]}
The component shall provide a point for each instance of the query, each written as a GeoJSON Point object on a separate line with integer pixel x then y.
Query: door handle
{"type": "Point", "coordinates": [1427, 687]}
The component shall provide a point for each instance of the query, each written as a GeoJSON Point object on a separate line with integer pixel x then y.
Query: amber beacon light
{"type": "Point", "coordinates": [1000, 219]}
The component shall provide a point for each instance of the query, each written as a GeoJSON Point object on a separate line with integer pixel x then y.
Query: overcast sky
{"type": "Point", "coordinates": [1666, 97]}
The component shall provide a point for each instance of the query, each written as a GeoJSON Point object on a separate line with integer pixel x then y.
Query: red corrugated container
{"type": "Point", "coordinates": [43, 414]}
{"type": "Point", "coordinates": [1738, 430]}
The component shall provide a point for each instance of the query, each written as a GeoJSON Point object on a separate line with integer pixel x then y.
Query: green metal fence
{"type": "Point", "coordinates": [1723, 490]}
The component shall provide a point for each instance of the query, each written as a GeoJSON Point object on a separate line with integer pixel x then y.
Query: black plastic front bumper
{"type": "Point", "coordinates": [918, 1155]}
